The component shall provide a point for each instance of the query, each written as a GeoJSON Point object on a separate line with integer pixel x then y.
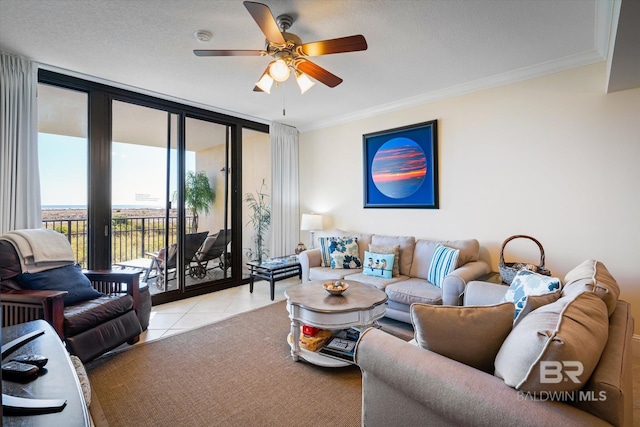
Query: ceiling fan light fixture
{"type": "Point", "coordinates": [279, 70]}
{"type": "Point", "coordinates": [265, 83]}
{"type": "Point", "coordinates": [304, 82]}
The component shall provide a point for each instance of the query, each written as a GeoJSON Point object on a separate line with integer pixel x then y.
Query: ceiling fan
{"type": "Point", "coordinates": [289, 52]}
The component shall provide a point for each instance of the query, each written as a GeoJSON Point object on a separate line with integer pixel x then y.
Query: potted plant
{"type": "Point", "coordinates": [198, 195]}
{"type": "Point", "coordinates": [260, 219]}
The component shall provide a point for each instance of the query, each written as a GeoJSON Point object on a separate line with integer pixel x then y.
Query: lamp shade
{"type": "Point", "coordinates": [311, 222]}
{"type": "Point", "coordinates": [265, 83]}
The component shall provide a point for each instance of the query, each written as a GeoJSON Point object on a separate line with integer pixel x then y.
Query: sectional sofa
{"type": "Point", "coordinates": [409, 283]}
{"type": "Point", "coordinates": [584, 332]}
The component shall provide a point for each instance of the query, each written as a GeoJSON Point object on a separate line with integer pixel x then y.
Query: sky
{"type": "Point", "coordinates": [139, 172]}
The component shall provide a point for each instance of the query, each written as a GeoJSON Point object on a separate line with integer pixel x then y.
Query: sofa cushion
{"type": "Point", "coordinates": [395, 250]}
{"type": "Point", "coordinates": [407, 246]}
{"type": "Point", "coordinates": [379, 282]}
{"type": "Point", "coordinates": [471, 335]}
{"type": "Point", "coordinates": [69, 278]}
{"type": "Point", "coordinates": [527, 283]}
{"type": "Point", "coordinates": [325, 274]}
{"type": "Point", "coordinates": [593, 276]}
{"type": "Point", "coordinates": [534, 302]}
{"type": "Point", "coordinates": [424, 249]}
{"type": "Point", "coordinates": [414, 290]}
{"type": "Point", "coordinates": [344, 253]}
{"type": "Point", "coordinates": [379, 265]}
{"type": "Point", "coordinates": [444, 261]}
{"type": "Point", "coordinates": [88, 314]}
{"type": "Point", "coordinates": [556, 347]}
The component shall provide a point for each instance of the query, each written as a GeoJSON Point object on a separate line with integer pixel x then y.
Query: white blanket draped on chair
{"type": "Point", "coordinates": [40, 249]}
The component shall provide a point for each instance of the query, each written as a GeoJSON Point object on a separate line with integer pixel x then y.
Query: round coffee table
{"type": "Point", "coordinates": [310, 304]}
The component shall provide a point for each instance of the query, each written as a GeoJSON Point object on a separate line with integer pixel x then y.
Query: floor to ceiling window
{"type": "Point", "coordinates": [158, 185]}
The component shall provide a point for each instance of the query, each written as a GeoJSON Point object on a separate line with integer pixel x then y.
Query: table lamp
{"type": "Point", "coordinates": [311, 223]}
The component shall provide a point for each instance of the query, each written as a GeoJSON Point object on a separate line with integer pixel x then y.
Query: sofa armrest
{"type": "Point", "coordinates": [309, 258]}
{"type": "Point", "coordinates": [484, 293]}
{"type": "Point", "coordinates": [403, 384]}
{"type": "Point", "coordinates": [19, 306]}
{"type": "Point", "coordinates": [454, 284]}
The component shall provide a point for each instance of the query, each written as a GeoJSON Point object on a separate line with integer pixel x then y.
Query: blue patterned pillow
{"type": "Point", "coordinates": [379, 265]}
{"type": "Point", "coordinates": [444, 261]}
{"type": "Point", "coordinates": [344, 253]}
{"type": "Point", "coordinates": [325, 250]}
{"type": "Point", "coordinates": [529, 283]}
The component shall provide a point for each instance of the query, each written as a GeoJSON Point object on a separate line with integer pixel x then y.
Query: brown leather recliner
{"type": "Point", "coordinates": [89, 328]}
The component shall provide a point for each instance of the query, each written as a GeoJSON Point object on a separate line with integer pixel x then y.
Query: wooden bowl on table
{"type": "Point", "coordinates": [335, 288]}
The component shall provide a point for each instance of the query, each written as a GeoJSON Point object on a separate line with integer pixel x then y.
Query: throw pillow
{"type": "Point", "coordinates": [325, 251]}
{"type": "Point", "coordinates": [69, 278]}
{"type": "Point", "coordinates": [593, 276]}
{"type": "Point", "coordinates": [569, 335]}
{"type": "Point", "coordinates": [527, 283]}
{"type": "Point", "coordinates": [384, 249]}
{"type": "Point", "coordinates": [344, 253]}
{"type": "Point", "coordinates": [379, 265]}
{"type": "Point", "coordinates": [534, 302]}
{"type": "Point", "coordinates": [471, 335]}
{"type": "Point", "coordinates": [444, 261]}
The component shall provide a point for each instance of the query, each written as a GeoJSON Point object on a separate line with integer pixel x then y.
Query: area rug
{"type": "Point", "coordinates": [236, 372]}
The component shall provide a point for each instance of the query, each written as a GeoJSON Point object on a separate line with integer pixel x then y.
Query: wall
{"type": "Point", "coordinates": [553, 157]}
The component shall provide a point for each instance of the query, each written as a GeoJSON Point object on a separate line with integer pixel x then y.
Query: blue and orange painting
{"type": "Point", "coordinates": [398, 168]}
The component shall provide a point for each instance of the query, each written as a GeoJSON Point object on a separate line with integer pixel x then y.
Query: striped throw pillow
{"type": "Point", "coordinates": [444, 261]}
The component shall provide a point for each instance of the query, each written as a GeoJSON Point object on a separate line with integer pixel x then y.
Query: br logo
{"type": "Point", "coordinates": [553, 372]}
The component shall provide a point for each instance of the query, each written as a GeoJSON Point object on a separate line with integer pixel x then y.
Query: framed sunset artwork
{"type": "Point", "coordinates": [401, 167]}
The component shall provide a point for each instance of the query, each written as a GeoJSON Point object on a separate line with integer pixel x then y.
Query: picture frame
{"type": "Point", "coordinates": [401, 167]}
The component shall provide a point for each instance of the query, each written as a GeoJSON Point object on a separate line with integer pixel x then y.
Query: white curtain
{"type": "Point", "coordinates": [19, 177]}
{"type": "Point", "coordinates": [285, 218]}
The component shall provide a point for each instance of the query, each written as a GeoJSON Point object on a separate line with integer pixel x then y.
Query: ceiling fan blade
{"type": "Point", "coordinates": [265, 20]}
{"type": "Point", "coordinates": [318, 73]}
{"type": "Point", "coordinates": [208, 52]}
{"type": "Point", "coordinates": [339, 45]}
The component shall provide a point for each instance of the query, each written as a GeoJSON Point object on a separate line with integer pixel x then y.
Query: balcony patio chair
{"type": "Point", "coordinates": [167, 265]}
{"type": "Point", "coordinates": [92, 311]}
{"type": "Point", "coordinates": [213, 248]}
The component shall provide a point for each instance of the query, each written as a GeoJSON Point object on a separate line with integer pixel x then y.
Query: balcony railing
{"type": "Point", "coordinates": [131, 237]}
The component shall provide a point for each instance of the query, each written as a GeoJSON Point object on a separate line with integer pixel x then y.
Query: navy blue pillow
{"type": "Point", "coordinates": [69, 278]}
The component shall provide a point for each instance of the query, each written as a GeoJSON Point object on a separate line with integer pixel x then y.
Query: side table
{"type": "Point", "coordinates": [59, 382]}
{"type": "Point", "coordinates": [273, 270]}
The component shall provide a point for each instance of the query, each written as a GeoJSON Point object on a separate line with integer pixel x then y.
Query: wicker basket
{"type": "Point", "coordinates": [508, 270]}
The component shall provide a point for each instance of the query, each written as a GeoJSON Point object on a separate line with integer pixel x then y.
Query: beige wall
{"type": "Point", "coordinates": [554, 157]}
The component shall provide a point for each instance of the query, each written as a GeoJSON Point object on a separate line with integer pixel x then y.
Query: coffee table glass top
{"type": "Point", "coordinates": [272, 263]}
{"type": "Point", "coordinates": [314, 297]}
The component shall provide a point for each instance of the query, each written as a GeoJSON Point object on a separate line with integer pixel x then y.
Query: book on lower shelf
{"type": "Point", "coordinates": [342, 348]}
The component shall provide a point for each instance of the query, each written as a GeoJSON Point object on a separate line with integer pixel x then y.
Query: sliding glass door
{"type": "Point", "coordinates": [160, 184]}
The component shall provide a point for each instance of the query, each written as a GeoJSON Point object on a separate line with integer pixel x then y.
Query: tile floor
{"type": "Point", "coordinates": [179, 316]}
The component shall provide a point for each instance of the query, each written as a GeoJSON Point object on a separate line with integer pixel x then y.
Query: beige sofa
{"type": "Point", "coordinates": [405, 384]}
{"type": "Point", "coordinates": [411, 284]}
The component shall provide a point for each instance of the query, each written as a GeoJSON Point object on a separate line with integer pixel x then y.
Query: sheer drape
{"type": "Point", "coordinates": [19, 177]}
{"type": "Point", "coordinates": [285, 219]}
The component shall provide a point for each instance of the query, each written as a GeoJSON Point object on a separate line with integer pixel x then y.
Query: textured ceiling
{"type": "Point", "coordinates": [418, 51]}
